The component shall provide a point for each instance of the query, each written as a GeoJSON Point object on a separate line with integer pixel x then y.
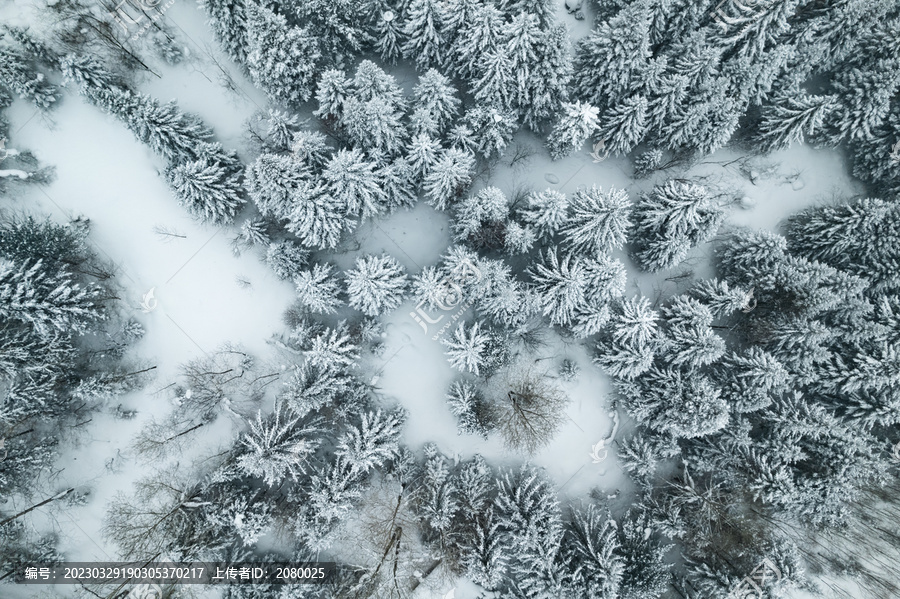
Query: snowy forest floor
{"type": "Point", "coordinates": [207, 296]}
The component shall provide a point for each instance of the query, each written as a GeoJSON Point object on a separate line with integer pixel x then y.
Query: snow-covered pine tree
{"type": "Point", "coordinates": [561, 284]}
{"type": "Point", "coordinates": [389, 36]}
{"type": "Point", "coordinates": [376, 285]}
{"type": "Point", "coordinates": [436, 94]}
{"type": "Point", "coordinates": [331, 93]}
{"type": "Point", "coordinates": [342, 28]}
{"type": "Point", "coordinates": [310, 148]}
{"type": "Point", "coordinates": [861, 237]}
{"type": "Point", "coordinates": [495, 82]}
{"type": "Point", "coordinates": [228, 20]}
{"type": "Point", "coordinates": [316, 217]}
{"type": "Point", "coordinates": [598, 221]}
{"type": "Point", "coordinates": [22, 78]}
{"type": "Point", "coordinates": [422, 152]}
{"type": "Point", "coordinates": [436, 498]}
{"type": "Point", "coordinates": [492, 129]}
{"type": "Point", "coordinates": [46, 299]}
{"type": "Point", "coordinates": [690, 340]}
{"type": "Point", "coordinates": [576, 123]}
{"type": "Point", "coordinates": [311, 386]}
{"type": "Point", "coordinates": [210, 186]}
{"type": "Point", "coordinates": [792, 118]}
{"type": "Point", "coordinates": [281, 127]}
{"type": "Point", "coordinates": [522, 37]}
{"type": "Point", "coordinates": [374, 125]}
{"type": "Point", "coordinates": [624, 125]}
{"type": "Point", "coordinates": [332, 347]}
{"type": "Point", "coordinates": [286, 259]}
{"type": "Point", "coordinates": [589, 552]}
{"type": "Point", "coordinates": [609, 63]}
{"type": "Point", "coordinates": [546, 211]}
{"type": "Point", "coordinates": [449, 177]}
{"type": "Point", "coordinates": [528, 513]}
{"type": "Point", "coordinates": [646, 572]}
{"type": "Point", "coordinates": [674, 218]}
{"type": "Point", "coordinates": [372, 440]}
{"type": "Point", "coordinates": [425, 42]}
{"type": "Point", "coordinates": [270, 183]}
{"type": "Point", "coordinates": [168, 131]}
{"type": "Point", "coordinates": [468, 406]}
{"type": "Point", "coordinates": [548, 81]}
{"type": "Point", "coordinates": [398, 182]}
{"type": "Point", "coordinates": [517, 238]}
{"type": "Point", "coordinates": [470, 350]}
{"type": "Point", "coordinates": [478, 37]}
{"type": "Point", "coordinates": [480, 218]}
{"type": "Point", "coordinates": [317, 289]}
{"type": "Point", "coordinates": [350, 179]}
{"type": "Point", "coordinates": [485, 557]}
{"type": "Point", "coordinates": [282, 60]}
{"type": "Point", "coordinates": [455, 16]}
{"type": "Point", "coordinates": [279, 445]}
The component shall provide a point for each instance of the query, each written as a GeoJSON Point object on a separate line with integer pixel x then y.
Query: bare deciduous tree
{"type": "Point", "coordinates": [529, 409]}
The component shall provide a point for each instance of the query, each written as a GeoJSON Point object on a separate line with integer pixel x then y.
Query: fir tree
{"type": "Point", "coordinates": [377, 284]}
{"type": "Point", "coordinates": [470, 409]}
{"type": "Point", "coordinates": [271, 181]}
{"type": "Point", "coordinates": [349, 180]}
{"type": "Point", "coordinates": [589, 550]}
{"type": "Point", "coordinates": [372, 440]}
{"type": "Point", "coordinates": [469, 350]}
{"type": "Point", "coordinates": [548, 80]}
{"type": "Point", "coordinates": [437, 96]}
{"type": "Point", "coordinates": [547, 212]}
{"type": "Point", "coordinates": [278, 446]}
{"type": "Point", "coordinates": [22, 79]}
{"type": "Point", "coordinates": [492, 129]}
{"type": "Point", "coordinates": [286, 259]}
{"type": "Point", "coordinates": [575, 125]}
{"type": "Point", "coordinates": [425, 41]}
{"type": "Point", "coordinates": [449, 177]}
{"type": "Point", "coordinates": [44, 299]}
{"type": "Point", "coordinates": [317, 217]}
{"type": "Point", "coordinates": [282, 60]}
{"type": "Point", "coordinates": [791, 118]}
{"type": "Point", "coordinates": [598, 222]}
{"type": "Point", "coordinates": [478, 37]}
{"type": "Point", "coordinates": [423, 152]}
{"type": "Point", "coordinates": [671, 220]}
{"type": "Point", "coordinates": [624, 125]}
{"type": "Point", "coordinates": [210, 187]}
{"type": "Point", "coordinates": [610, 62]}
{"type": "Point", "coordinates": [561, 284]}
{"type": "Point", "coordinates": [389, 36]}
{"type": "Point", "coordinates": [228, 19]}
{"type": "Point", "coordinates": [317, 289]}
{"type": "Point", "coordinates": [331, 93]}
{"type": "Point", "coordinates": [495, 84]}
{"type": "Point", "coordinates": [374, 125]}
